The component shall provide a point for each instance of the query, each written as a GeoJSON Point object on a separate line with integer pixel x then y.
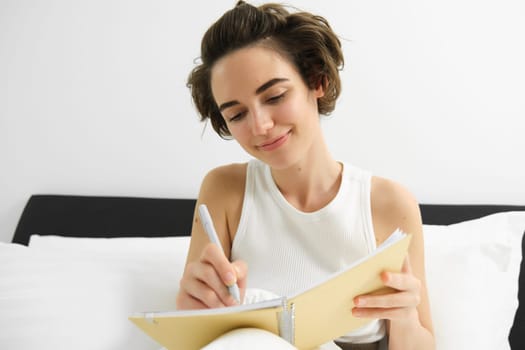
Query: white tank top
{"type": "Point", "coordinates": [288, 250]}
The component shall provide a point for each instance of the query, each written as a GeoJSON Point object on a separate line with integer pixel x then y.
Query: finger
{"type": "Point", "coordinates": [401, 281]}
{"type": "Point", "coordinates": [242, 272]}
{"type": "Point", "coordinates": [214, 255]}
{"type": "Point", "coordinates": [222, 269]}
{"type": "Point", "coordinates": [391, 300]}
{"type": "Point", "coordinates": [184, 301]}
{"type": "Point", "coordinates": [202, 283]}
{"type": "Point", "coordinates": [389, 313]}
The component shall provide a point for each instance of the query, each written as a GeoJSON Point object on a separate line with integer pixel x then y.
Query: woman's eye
{"type": "Point", "coordinates": [236, 117]}
{"type": "Point", "coordinates": [276, 98]}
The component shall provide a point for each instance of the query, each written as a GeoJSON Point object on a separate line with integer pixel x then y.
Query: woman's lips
{"type": "Point", "coordinates": [274, 143]}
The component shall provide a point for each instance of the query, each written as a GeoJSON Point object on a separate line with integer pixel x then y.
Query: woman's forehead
{"type": "Point", "coordinates": [250, 67]}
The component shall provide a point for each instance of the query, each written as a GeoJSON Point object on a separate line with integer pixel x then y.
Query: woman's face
{"type": "Point", "coordinates": [267, 106]}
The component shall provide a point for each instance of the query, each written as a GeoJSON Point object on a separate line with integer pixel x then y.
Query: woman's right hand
{"type": "Point", "coordinates": [205, 280]}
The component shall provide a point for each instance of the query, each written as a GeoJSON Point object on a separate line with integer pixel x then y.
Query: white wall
{"type": "Point", "coordinates": [93, 98]}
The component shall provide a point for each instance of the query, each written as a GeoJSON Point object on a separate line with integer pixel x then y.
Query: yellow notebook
{"type": "Point", "coordinates": [308, 319]}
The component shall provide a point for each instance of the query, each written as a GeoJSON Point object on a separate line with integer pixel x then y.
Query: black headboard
{"type": "Point", "coordinates": [95, 216]}
{"type": "Point", "coordinates": [437, 214]}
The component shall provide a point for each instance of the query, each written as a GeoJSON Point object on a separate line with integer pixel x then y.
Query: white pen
{"type": "Point", "coordinates": [207, 223]}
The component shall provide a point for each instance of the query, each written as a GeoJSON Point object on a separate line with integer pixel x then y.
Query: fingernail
{"type": "Point", "coordinates": [230, 279]}
{"type": "Point", "coordinates": [385, 277]}
{"type": "Point", "coordinates": [360, 302]}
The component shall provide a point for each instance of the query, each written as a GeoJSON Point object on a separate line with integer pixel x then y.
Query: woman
{"type": "Point", "coordinates": [293, 214]}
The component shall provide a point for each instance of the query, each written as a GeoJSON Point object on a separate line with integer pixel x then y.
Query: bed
{"type": "Point", "coordinates": [78, 266]}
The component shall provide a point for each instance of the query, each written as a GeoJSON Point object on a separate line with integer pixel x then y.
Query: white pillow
{"type": "Point", "coordinates": [256, 339]}
{"type": "Point", "coordinates": [125, 245]}
{"type": "Point", "coordinates": [472, 271]}
{"type": "Point", "coordinates": [472, 276]}
{"type": "Point", "coordinates": [249, 339]}
{"type": "Point", "coordinates": [81, 296]}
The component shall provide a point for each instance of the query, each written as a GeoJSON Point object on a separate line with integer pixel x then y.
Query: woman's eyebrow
{"type": "Point", "coordinates": [228, 104]}
{"type": "Point", "coordinates": [269, 84]}
{"type": "Point", "coordinates": [258, 91]}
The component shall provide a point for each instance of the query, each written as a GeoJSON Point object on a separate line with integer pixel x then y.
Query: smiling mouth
{"type": "Point", "coordinates": [275, 143]}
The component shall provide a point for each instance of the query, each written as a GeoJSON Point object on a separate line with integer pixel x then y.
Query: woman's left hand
{"type": "Point", "coordinates": [401, 304]}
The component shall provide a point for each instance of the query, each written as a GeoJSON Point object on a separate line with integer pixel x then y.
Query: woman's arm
{"type": "Point", "coordinates": [407, 310]}
{"type": "Point", "coordinates": [208, 270]}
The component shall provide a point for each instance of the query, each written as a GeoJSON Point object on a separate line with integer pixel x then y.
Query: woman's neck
{"type": "Point", "coordinates": [312, 183]}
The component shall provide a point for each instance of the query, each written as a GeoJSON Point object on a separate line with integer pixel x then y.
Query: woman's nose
{"type": "Point", "coordinates": [261, 122]}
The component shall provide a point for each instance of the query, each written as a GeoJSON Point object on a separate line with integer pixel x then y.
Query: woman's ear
{"type": "Point", "coordinates": [320, 86]}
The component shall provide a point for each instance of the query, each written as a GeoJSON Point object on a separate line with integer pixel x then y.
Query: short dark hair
{"type": "Point", "coordinates": [307, 40]}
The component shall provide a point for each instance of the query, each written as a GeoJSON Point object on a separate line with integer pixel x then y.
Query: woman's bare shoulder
{"type": "Point", "coordinates": [393, 206]}
{"type": "Point", "coordinates": [226, 175]}
{"type": "Point", "coordinates": [224, 181]}
{"type": "Point", "coordinates": [222, 190]}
